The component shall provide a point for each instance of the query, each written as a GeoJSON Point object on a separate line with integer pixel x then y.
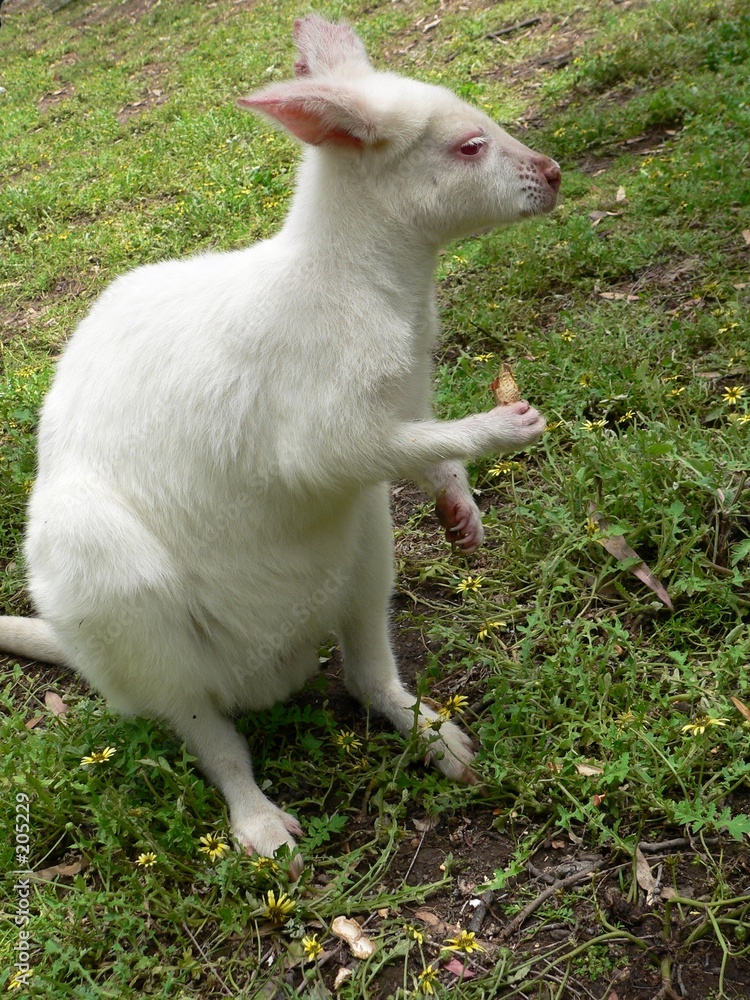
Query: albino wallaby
{"type": "Point", "coordinates": [214, 451]}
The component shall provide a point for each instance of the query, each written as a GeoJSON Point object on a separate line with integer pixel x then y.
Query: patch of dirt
{"type": "Point", "coordinates": [652, 142]}
{"type": "Point", "coordinates": [88, 15]}
{"type": "Point", "coordinates": [50, 100]}
{"type": "Point", "coordinates": [563, 39]}
{"type": "Point", "coordinates": [151, 99]}
{"type": "Point", "coordinates": [152, 95]}
{"type": "Point", "coordinates": [557, 905]}
{"type": "Point", "coordinates": [18, 322]}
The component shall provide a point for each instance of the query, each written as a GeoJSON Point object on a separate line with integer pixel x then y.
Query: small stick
{"type": "Point", "coordinates": [416, 853]}
{"type": "Point", "coordinates": [514, 27]}
{"type": "Point", "coordinates": [481, 910]}
{"type": "Point", "coordinates": [663, 845]}
{"type": "Point", "coordinates": [564, 883]}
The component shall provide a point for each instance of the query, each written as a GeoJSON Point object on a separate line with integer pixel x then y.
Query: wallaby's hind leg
{"type": "Point", "coordinates": [370, 670]}
{"type": "Point", "coordinates": [141, 649]}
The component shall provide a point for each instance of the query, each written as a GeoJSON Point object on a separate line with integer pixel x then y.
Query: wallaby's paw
{"type": "Point", "coordinates": [460, 517]}
{"type": "Point", "coordinates": [267, 831]}
{"type": "Point", "coordinates": [451, 750]}
{"type": "Point", "coordinates": [523, 424]}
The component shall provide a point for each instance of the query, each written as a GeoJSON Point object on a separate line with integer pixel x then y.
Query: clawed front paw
{"type": "Point", "coordinates": [522, 424]}
{"type": "Point", "coordinates": [462, 521]}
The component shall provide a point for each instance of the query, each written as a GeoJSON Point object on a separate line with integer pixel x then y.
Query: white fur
{"type": "Point", "coordinates": [213, 453]}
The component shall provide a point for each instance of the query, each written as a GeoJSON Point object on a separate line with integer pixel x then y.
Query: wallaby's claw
{"type": "Point", "coordinates": [462, 521]}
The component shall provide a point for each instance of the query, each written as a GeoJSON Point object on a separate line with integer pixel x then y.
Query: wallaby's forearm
{"type": "Point", "coordinates": [418, 445]}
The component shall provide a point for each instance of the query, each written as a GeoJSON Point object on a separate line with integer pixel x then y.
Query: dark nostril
{"type": "Point", "coordinates": [552, 174]}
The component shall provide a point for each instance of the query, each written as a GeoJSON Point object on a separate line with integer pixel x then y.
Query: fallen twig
{"type": "Point", "coordinates": [481, 910]}
{"type": "Point", "coordinates": [207, 962]}
{"type": "Point", "coordinates": [663, 845]}
{"type": "Point", "coordinates": [416, 853]}
{"type": "Point", "coordinates": [514, 27]}
{"type": "Point", "coordinates": [563, 883]}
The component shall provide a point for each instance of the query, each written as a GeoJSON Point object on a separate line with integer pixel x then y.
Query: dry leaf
{"type": "Point", "coordinates": [643, 872]}
{"type": "Point", "coordinates": [34, 722]}
{"type": "Point", "coordinates": [650, 885]}
{"type": "Point", "coordinates": [359, 944]}
{"type": "Point", "coordinates": [741, 708]}
{"type": "Point", "coordinates": [618, 296]}
{"type": "Point", "coordinates": [619, 548]}
{"type": "Point", "coordinates": [746, 236]}
{"type": "Point", "coordinates": [621, 196]}
{"type": "Point", "coordinates": [55, 703]}
{"type": "Point", "coordinates": [438, 927]}
{"type": "Point", "coordinates": [457, 967]}
{"type": "Point", "coordinates": [588, 770]}
{"type": "Point", "coordinates": [596, 217]}
{"type": "Point", "coordinates": [504, 388]}
{"type": "Point", "coordinates": [48, 874]}
{"type": "Point", "coordinates": [424, 825]}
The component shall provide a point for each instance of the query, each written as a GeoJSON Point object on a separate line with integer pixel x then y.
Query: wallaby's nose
{"type": "Point", "coordinates": [551, 173]}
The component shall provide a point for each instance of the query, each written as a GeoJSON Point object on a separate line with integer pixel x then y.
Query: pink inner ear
{"type": "Point", "coordinates": [305, 119]}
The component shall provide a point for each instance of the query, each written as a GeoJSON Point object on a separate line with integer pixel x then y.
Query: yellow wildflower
{"type": "Point", "coordinates": [215, 847]}
{"type": "Point", "coordinates": [701, 724]}
{"type": "Point", "coordinates": [427, 980]}
{"type": "Point", "coordinates": [279, 909]}
{"type": "Point", "coordinates": [592, 527]}
{"type": "Point", "coordinates": [264, 866]}
{"type": "Point", "coordinates": [488, 627]}
{"type": "Point", "coordinates": [733, 394]}
{"type": "Point", "coordinates": [500, 468]}
{"type": "Point", "coordinates": [99, 756]}
{"type": "Point", "coordinates": [348, 741]}
{"type": "Point", "coordinates": [455, 704]}
{"type": "Point", "coordinates": [415, 933]}
{"type": "Point", "coordinates": [465, 942]}
{"type": "Point", "coordinates": [311, 947]}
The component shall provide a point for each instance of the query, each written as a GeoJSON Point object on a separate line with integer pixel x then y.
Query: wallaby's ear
{"type": "Point", "coordinates": [326, 48]}
{"type": "Point", "coordinates": [318, 113]}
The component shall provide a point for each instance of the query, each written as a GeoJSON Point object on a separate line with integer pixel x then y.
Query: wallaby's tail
{"type": "Point", "coordinates": [29, 637]}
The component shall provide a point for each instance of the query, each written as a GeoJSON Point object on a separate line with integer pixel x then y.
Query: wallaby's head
{"type": "Point", "coordinates": [412, 152]}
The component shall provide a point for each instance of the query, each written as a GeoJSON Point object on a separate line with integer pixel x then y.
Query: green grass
{"type": "Point", "coordinates": [629, 330]}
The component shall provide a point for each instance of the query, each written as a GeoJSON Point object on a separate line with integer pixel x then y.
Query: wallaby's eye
{"type": "Point", "coordinates": [472, 147]}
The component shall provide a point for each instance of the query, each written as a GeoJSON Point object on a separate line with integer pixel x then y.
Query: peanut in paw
{"type": "Point", "coordinates": [504, 388]}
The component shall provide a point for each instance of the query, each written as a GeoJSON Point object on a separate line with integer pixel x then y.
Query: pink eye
{"type": "Point", "coordinates": [472, 147]}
